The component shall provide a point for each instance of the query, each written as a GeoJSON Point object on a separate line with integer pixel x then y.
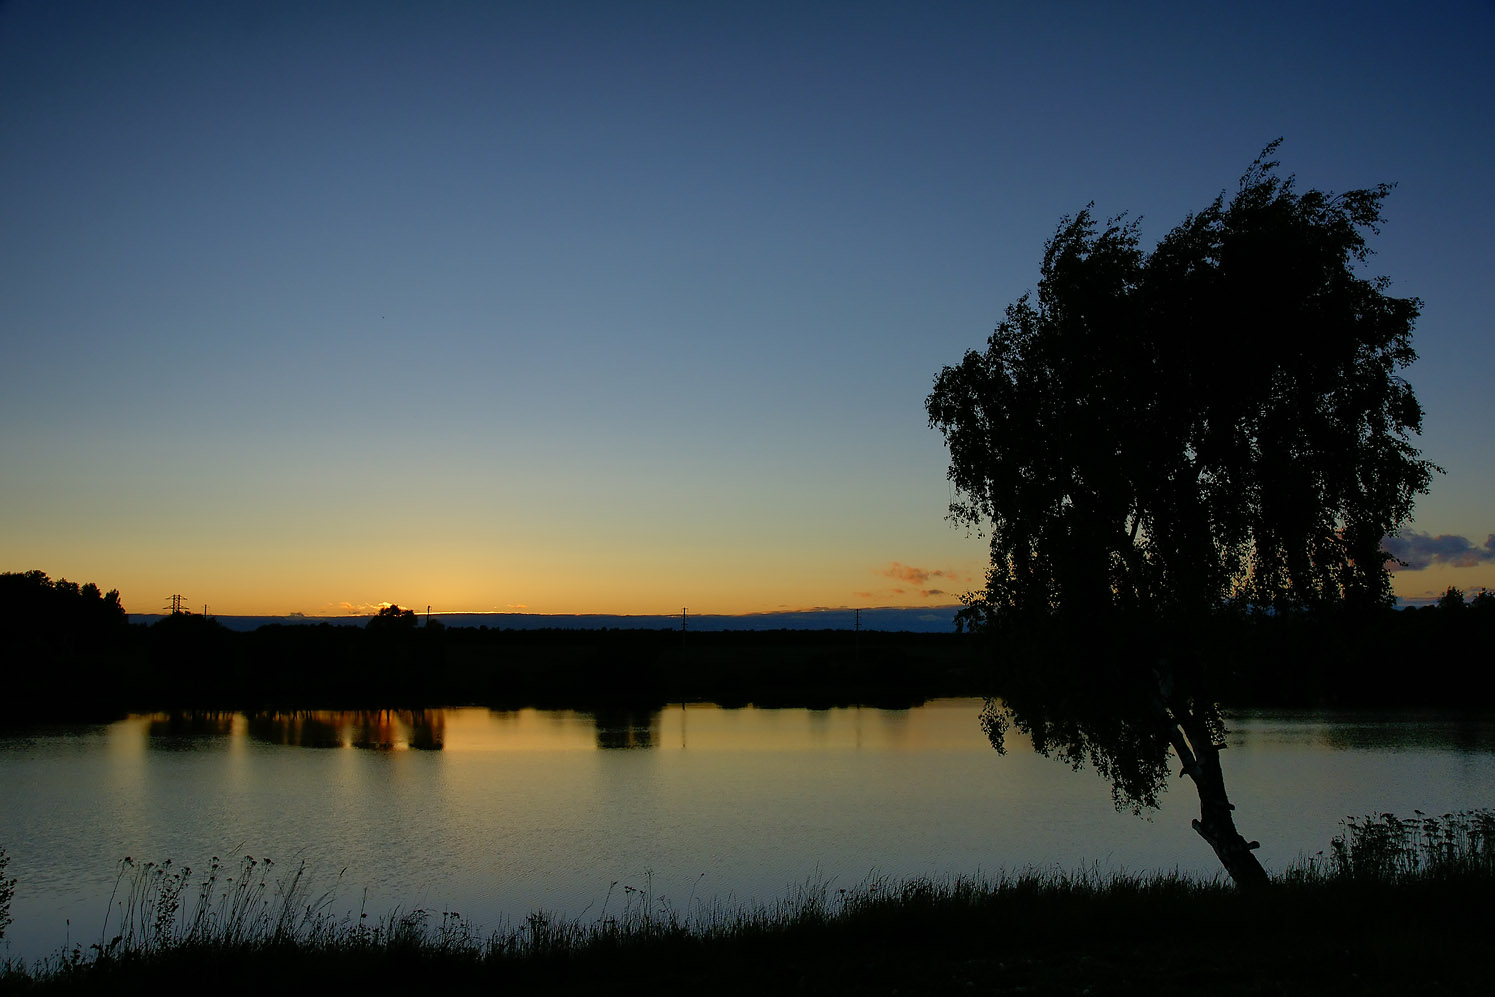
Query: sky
{"type": "Point", "coordinates": [628, 307]}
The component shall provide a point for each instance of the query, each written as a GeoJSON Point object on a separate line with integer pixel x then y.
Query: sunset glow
{"type": "Point", "coordinates": [316, 308]}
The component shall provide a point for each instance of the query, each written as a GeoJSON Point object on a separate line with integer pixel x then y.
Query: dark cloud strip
{"type": "Point", "coordinates": [1417, 551]}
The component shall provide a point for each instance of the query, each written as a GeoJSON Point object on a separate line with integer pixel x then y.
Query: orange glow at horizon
{"type": "Point", "coordinates": [1410, 587]}
{"type": "Point", "coordinates": [326, 584]}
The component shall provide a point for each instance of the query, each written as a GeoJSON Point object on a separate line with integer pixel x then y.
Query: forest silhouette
{"type": "Point", "coordinates": [72, 654]}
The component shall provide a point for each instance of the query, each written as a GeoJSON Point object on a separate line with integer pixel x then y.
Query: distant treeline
{"type": "Point", "coordinates": [68, 651]}
{"type": "Point", "coordinates": [61, 664]}
{"type": "Point", "coordinates": [1433, 656]}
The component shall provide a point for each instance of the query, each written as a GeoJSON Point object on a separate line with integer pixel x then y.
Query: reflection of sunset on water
{"type": "Point", "coordinates": [526, 810]}
{"type": "Point", "coordinates": [694, 727]}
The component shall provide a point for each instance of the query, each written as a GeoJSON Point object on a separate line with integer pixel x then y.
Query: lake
{"type": "Point", "coordinates": [499, 814]}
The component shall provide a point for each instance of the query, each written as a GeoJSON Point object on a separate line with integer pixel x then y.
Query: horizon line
{"type": "Point", "coordinates": [528, 612]}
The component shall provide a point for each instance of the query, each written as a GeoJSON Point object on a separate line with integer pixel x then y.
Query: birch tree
{"type": "Point", "coordinates": [1157, 442]}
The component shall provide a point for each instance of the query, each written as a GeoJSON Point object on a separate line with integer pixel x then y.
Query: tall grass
{"type": "Point", "coordinates": [1391, 849]}
{"type": "Point", "coordinates": [160, 909]}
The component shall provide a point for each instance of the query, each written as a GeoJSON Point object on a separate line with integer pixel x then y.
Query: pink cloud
{"type": "Point", "coordinates": [363, 608]}
{"type": "Point", "coordinates": [913, 582]}
{"type": "Point", "coordinates": [918, 576]}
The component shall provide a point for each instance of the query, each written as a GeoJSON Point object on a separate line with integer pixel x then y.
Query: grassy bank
{"type": "Point", "coordinates": [1393, 904]}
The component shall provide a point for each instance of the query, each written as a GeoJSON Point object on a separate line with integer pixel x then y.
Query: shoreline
{"type": "Point", "coordinates": [191, 663]}
{"type": "Point", "coordinates": [1315, 930]}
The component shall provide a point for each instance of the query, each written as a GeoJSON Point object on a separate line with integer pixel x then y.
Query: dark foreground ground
{"type": "Point", "coordinates": [1033, 937]}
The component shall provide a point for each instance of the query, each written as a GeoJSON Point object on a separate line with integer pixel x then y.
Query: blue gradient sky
{"type": "Point", "coordinates": [622, 307]}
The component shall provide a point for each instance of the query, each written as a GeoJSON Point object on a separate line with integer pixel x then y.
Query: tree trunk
{"type": "Point", "coordinates": [1216, 823]}
{"type": "Point", "coordinates": [1200, 756]}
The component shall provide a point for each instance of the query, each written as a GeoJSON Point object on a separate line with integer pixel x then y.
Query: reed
{"type": "Point", "coordinates": [1385, 848]}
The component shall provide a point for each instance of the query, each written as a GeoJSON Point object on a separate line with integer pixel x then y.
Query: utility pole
{"type": "Point", "coordinates": [177, 600]}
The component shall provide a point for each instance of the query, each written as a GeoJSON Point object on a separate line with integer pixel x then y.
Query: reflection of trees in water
{"type": "Point", "coordinates": [301, 729]}
{"type": "Point", "coordinates": [1402, 732]}
{"type": "Point", "coordinates": [179, 729]}
{"type": "Point", "coordinates": [894, 725]}
{"type": "Point", "coordinates": [378, 730]}
{"type": "Point", "coordinates": [427, 730]}
{"type": "Point", "coordinates": [627, 728]}
{"type": "Point", "coordinates": [1469, 735]}
{"type": "Point", "coordinates": [385, 730]}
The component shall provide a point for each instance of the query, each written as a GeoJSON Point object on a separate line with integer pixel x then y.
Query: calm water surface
{"type": "Point", "coordinates": [495, 815]}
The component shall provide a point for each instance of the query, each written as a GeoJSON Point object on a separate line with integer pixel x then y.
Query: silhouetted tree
{"type": "Point", "coordinates": [393, 618]}
{"type": "Point", "coordinates": [1161, 443]}
{"type": "Point", "coordinates": [1452, 600]}
{"type": "Point", "coordinates": [59, 641]}
{"type": "Point", "coordinates": [31, 602]}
